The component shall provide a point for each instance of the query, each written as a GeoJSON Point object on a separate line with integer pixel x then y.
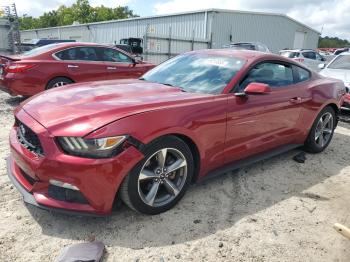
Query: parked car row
{"type": "Point", "coordinates": [82, 147]}
{"type": "Point", "coordinates": [309, 57]}
{"type": "Point", "coordinates": [339, 68]}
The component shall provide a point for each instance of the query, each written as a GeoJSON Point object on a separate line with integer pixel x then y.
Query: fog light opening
{"type": "Point", "coordinates": [63, 184]}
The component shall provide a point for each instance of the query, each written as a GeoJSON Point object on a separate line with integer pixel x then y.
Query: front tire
{"type": "Point", "coordinates": [322, 131]}
{"type": "Point", "coordinates": [161, 179]}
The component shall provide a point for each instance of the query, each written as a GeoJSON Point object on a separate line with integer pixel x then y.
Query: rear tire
{"type": "Point", "coordinates": [322, 131]}
{"type": "Point", "coordinates": [161, 179]}
{"type": "Point", "coordinates": [58, 81]}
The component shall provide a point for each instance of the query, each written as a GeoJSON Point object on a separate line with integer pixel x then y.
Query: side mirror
{"type": "Point", "coordinates": [321, 66]}
{"type": "Point", "coordinates": [257, 89]}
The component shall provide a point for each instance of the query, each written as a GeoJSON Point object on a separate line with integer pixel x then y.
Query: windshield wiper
{"type": "Point", "coordinates": [167, 84]}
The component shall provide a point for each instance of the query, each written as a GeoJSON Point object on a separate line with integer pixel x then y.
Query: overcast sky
{"type": "Point", "coordinates": [331, 15]}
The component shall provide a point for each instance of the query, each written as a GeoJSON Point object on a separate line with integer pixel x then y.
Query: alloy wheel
{"type": "Point", "coordinates": [162, 177]}
{"type": "Point", "coordinates": [61, 83]}
{"type": "Point", "coordinates": [324, 129]}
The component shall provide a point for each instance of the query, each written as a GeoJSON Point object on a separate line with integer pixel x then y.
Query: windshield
{"type": "Point", "coordinates": [39, 50]}
{"type": "Point", "coordinates": [196, 73]}
{"type": "Point", "coordinates": [341, 62]}
{"type": "Point", "coordinates": [290, 54]}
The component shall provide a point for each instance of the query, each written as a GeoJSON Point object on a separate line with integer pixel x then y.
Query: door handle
{"type": "Point", "coordinates": [296, 100]}
{"type": "Point", "coordinates": [111, 68]}
{"type": "Point", "coordinates": [72, 66]}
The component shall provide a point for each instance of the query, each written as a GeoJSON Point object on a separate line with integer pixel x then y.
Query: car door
{"type": "Point", "coordinates": [119, 65]}
{"type": "Point", "coordinates": [83, 64]}
{"type": "Point", "coordinates": [256, 123]}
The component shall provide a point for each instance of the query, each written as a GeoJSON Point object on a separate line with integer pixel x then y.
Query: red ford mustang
{"type": "Point", "coordinates": [64, 63]}
{"type": "Point", "coordinates": [82, 147]}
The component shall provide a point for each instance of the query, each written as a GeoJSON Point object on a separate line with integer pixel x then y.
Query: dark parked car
{"type": "Point", "coordinates": [34, 43]}
{"type": "Point", "coordinates": [130, 50]}
{"type": "Point", "coordinates": [64, 63]}
{"type": "Point", "coordinates": [84, 146]}
{"type": "Point", "coordinates": [249, 46]}
{"type": "Point", "coordinates": [341, 50]}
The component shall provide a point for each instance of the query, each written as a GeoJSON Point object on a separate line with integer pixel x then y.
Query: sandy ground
{"type": "Point", "coordinates": [276, 210]}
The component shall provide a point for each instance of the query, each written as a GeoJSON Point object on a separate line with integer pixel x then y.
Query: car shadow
{"type": "Point", "coordinates": [15, 100]}
{"type": "Point", "coordinates": [345, 115]}
{"type": "Point", "coordinates": [208, 207]}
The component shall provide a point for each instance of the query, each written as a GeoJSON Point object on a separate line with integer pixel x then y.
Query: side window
{"type": "Point", "coordinates": [78, 53]}
{"type": "Point", "coordinates": [274, 74]}
{"type": "Point", "coordinates": [68, 54]}
{"type": "Point", "coordinates": [112, 55]}
{"type": "Point", "coordinates": [301, 74]}
{"type": "Point", "coordinates": [262, 48]}
{"type": "Point", "coordinates": [310, 55]}
{"type": "Point", "coordinates": [87, 54]}
{"type": "Point", "coordinates": [319, 57]}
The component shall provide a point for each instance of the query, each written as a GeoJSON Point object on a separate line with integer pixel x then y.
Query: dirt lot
{"type": "Point", "coordinates": [276, 210]}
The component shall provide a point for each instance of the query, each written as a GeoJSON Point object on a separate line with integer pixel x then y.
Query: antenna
{"type": "Point", "coordinates": [14, 36]}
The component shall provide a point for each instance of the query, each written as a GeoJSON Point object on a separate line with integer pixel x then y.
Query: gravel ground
{"type": "Point", "coordinates": [276, 210]}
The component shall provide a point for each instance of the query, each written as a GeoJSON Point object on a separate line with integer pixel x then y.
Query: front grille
{"type": "Point", "coordinates": [29, 139]}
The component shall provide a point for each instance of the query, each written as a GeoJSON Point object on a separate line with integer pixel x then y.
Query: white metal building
{"type": "Point", "coordinates": [4, 31]}
{"type": "Point", "coordinates": [167, 35]}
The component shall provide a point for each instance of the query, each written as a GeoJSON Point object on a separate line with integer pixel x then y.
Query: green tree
{"type": "Point", "coordinates": [332, 42]}
{"type": "Point", "coordinates": [81, 11]}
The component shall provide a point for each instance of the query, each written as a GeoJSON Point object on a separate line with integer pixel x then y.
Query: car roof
{"type": "Point", "coordinates": [296, 50]}
{"type": "Point", "coordinates": [61, 46]}
{"type": "Point", "coordinates": [72, 44]}
{"type": "Point", "coordinates": [247, 43]}
{"type": "Point", "coordinates": [243, 43]}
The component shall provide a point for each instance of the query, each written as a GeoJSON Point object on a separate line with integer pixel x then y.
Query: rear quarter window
{"type": "Point", "coordinates": [301, 74]}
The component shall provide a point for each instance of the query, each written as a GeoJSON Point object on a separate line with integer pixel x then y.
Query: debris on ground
{"type": "Point", "coordinates": [343, 230]}
{"type": "Point", "coordinates": [82, 252]}
{"type": "Point", "coordinates": [300, 158]}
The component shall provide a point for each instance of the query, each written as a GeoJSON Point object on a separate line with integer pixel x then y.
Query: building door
{"type": "Point", "coordinates": [299, 39]}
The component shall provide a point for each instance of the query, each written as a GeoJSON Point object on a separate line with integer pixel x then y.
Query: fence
{"type": "Point", "coordinates": [158, 48]}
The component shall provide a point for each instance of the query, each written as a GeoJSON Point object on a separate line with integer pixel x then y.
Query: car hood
{"type": "Point", "coordinates": [340, 74]}
{"type": "Point", "coordinates": [79, 109]}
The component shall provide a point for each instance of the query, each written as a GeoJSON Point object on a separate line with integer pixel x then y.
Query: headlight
{"type": "Point", "coordinates": [92, 148]}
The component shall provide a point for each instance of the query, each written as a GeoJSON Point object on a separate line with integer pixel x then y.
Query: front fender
{"type": "Point", "coordinates": [204, 124]}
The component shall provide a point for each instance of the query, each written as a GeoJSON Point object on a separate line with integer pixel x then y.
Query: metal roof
{"type": "Point", "coordinates": [184, 13]}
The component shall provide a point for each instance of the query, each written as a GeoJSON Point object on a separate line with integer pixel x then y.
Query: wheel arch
{"type": "Point", "coordinates": [333, 106]}
{"type": "Point", "coordinates": [195, 153]}
{"type": "Point", "coordinates": [336, 110]}
{"type": "Point", "coordinates": [192, 146]}
{"type": "Point", "coordinates": [52, 78]}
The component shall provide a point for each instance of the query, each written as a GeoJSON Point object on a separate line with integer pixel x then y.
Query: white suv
{"type": "Point", "coordinates": [309, 57]}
